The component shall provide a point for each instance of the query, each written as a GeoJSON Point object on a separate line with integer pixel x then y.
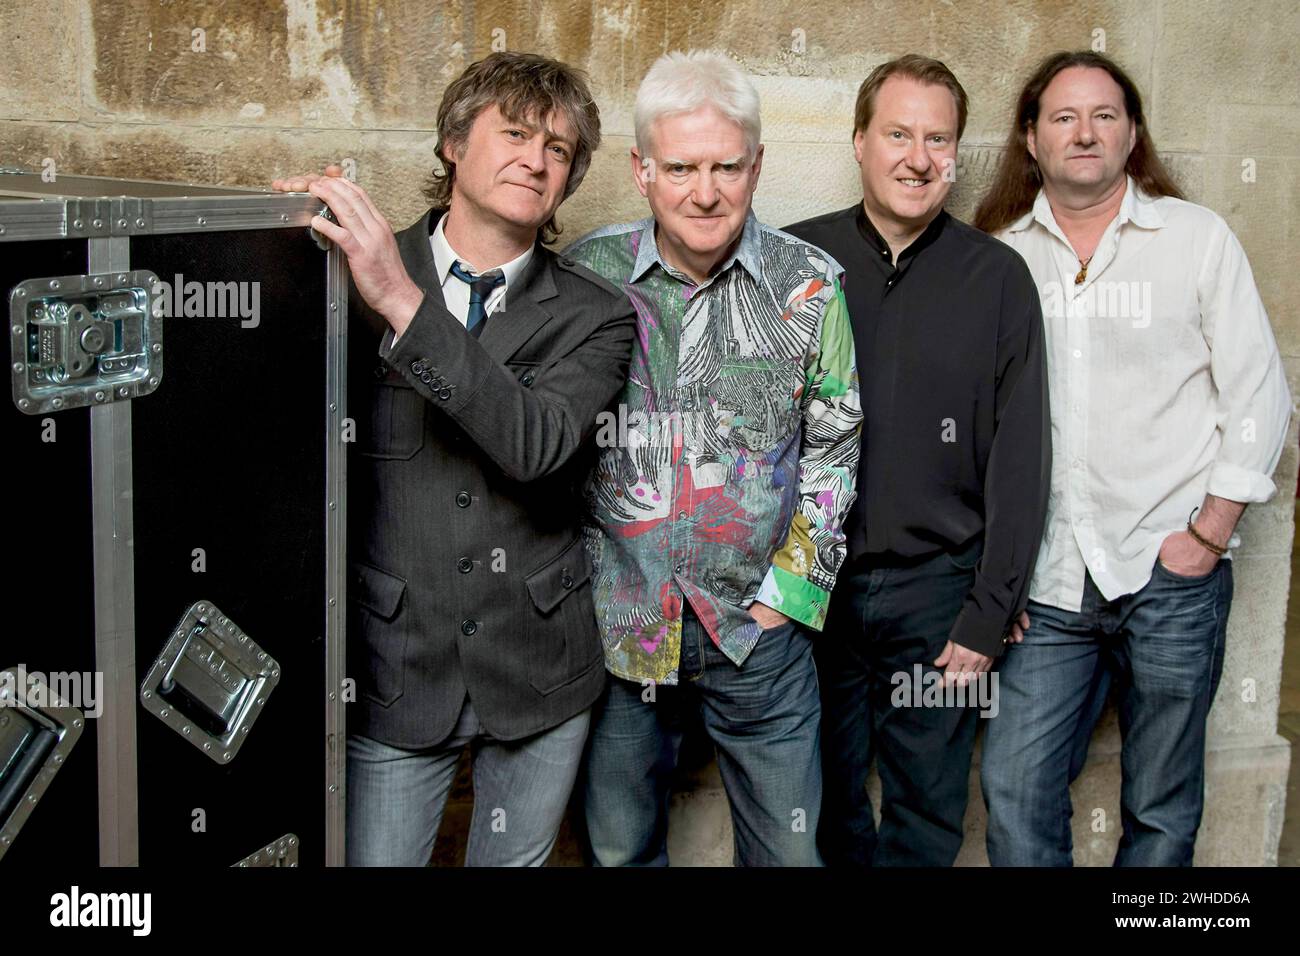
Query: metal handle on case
{"type": "Point", "coordinates": [210, 682]}
{"type": "Point", "coordinates": [37, 729]}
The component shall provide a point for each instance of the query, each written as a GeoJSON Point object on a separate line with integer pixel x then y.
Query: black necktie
{"type": "Point", "coordinates": [480, 288]}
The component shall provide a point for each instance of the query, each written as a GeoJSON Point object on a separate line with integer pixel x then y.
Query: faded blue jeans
{"type": "Point", "coordinates": [763, 718]}
{"type": "Point", "coordinates": [396, 797]}
{"type": "Point", "coordinates": [1163, 649]}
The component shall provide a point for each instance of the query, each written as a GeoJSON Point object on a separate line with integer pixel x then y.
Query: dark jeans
{"type": "Point", "coordinates": [763, 719]}
{"type": "Point", "coordinates": [883, 622]}
{"type": "Point", "coordinates": [1163, 649]}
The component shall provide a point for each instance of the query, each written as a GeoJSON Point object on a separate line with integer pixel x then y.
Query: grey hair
{"type": "Point", "coordinates": [680, 82]}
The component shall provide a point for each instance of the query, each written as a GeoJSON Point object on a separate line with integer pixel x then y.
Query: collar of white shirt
{"type": "Point", "coordinates": [444, 255]}
{"type": "Point", "coordinates": [1136, 207]}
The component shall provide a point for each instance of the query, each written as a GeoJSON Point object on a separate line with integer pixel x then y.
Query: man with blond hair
{"type": "Point", "coordinates": [952, 485]}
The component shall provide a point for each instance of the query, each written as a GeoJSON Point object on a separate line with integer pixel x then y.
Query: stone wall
{"type": "Point", "coordinates": [239, 92]}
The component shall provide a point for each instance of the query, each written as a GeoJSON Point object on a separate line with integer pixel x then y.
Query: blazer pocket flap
{"type": "Point", "coordinates": [377, 590]}
{"type": "Point", "coordinates": [559, 577]}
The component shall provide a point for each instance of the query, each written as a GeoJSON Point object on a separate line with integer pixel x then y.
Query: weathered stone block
{"type": "Point", "coordinates": [41, 45]}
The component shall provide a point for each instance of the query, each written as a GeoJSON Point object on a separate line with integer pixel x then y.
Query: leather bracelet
{"type": "Point", "coordinates": [1209, 546]}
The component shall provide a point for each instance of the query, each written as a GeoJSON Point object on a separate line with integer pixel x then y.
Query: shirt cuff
{"type": "Point", "coordinates": [982, 621]}
{"type": "Point", "coordinates": [795, 597]}
{"type": "Point", "coordinates": [1239, 484]}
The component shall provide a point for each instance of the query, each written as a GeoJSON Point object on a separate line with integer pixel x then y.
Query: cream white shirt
{"type": "Point", "coordinates": [1165, 384]}
{"type": "Point", "coordinates": [456, 291]}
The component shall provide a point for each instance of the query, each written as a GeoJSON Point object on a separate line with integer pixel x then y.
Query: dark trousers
{"type": "Point", "coordinates": [883, 622]}
{"type": "Point", "coordinates": [762, 716]}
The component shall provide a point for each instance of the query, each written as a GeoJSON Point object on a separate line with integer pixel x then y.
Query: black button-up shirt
{"type": "Point", "coordinates": [955, 440]}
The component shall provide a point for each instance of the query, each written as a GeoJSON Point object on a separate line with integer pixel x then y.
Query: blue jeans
{"type": "Point", "coordinates": [396, 797]}
{"type": "Point", "coordinates": [1163, 648]}
{"type": "Point", "coordinates": [886, 621]}
{"type": "Point", "coordinates": [763, 719]}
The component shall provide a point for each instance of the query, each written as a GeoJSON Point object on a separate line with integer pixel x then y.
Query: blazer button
{"type": "Point", "coordinates": [381, 372]}
{"type": "Point", "coordinates": [418, 366]}
{"type": "Point", "coordinates": [468, 627]}
{"type": "Point", "coordinates": [464, 565]}
{"type": "Point", "coordinates": [444, 393]}
{"type": "Point", "coordinates": [566, 581]}
{"type": "Point", "coordinates": [426, 378]}
{"type": "Point", "coordinates": [462, 499]}
{"type": "Point", "coordinates": [527, 379]}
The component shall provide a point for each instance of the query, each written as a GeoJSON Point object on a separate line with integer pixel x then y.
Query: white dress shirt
{"type": "Point", "coordinates": [1165, 385]}
{"type": "Point", "coordinates": [456, 291]}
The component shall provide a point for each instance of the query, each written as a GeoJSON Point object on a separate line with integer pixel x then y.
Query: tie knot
{"type": "Point", "coordinates": [479, 286]}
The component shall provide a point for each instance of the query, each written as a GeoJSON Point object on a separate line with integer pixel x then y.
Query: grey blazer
{"type": "Point", "coordinates": [467, 571]}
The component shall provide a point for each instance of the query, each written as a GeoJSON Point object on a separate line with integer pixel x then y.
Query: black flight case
{"type": "Point", "coordinates": [172, 666]}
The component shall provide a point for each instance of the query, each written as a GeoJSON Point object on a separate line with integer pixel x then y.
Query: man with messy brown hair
{"type": "Point", "coordinates": [479, 362]}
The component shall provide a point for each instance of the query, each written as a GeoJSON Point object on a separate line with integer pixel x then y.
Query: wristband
{"type": "Point", "coordinates": [1209, 546]}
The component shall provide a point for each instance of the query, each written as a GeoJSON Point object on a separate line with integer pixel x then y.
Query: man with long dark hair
{"type": "Point", "coordinates": [1169, 411]}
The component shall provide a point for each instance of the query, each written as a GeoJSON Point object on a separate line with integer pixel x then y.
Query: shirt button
{"type": "Point", "coordinates": [462, 499]}
{"type": "Point", "coordinates": [1078, 463]}
{"type": "Point", "coordinates": [464, 565]}
{"type": "Point", "coordinates": [681, 515]}
{"type": "Point", "coordinates": [1078, 353]}
{"type": "Point", "coordinates": [678, 567]}
{"type": "Point", "coordinates": [468, 627]}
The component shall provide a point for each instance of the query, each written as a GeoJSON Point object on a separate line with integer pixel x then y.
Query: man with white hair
{"type": "Point", "coordinates": [719, 500]}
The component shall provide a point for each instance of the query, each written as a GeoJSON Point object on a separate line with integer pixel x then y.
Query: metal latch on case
{"type": "Point", "coordinates": [210, 682]}
{"type": "Point", "coordinates": [84, 340]}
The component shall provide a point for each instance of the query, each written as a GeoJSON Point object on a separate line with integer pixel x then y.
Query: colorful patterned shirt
{"type": "Point", "coordinates": [729, 466]}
